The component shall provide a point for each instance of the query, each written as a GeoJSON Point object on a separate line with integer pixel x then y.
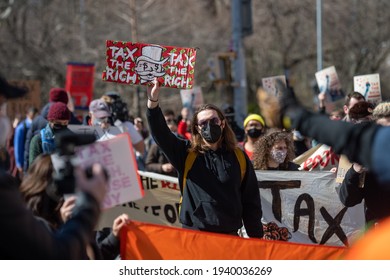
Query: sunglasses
{"type": "Point", "coordinates": [215, 120]}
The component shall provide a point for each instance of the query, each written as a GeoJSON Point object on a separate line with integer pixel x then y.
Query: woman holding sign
{"type": "Point", "coordinates": [218, 183]}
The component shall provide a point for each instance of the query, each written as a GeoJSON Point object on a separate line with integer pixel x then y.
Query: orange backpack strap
{"type": "Point", "coordinates": [241, 160]}
{"type": "Point", "coordinates": [187, 166]}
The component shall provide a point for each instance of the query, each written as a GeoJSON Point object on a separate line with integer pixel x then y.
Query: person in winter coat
{"type": "Point", "coordinates": [44, 141]}
{"type": "Point", "coordinates": [216, 196]}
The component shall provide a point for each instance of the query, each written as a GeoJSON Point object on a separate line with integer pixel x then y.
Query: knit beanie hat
{"type": "Point", "coordinates": [58, 95]}
{"type": "Point", "coordinates": [58, 111]}
{"type": "Point", "coordinates": [361, 110]}
{"type": "Point", "coordinates": [254, 117]}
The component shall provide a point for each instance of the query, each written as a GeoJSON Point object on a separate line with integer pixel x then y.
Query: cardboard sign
{"type": "Point", "coordinates": [369, 86]}
{"type": "Point", "coordinates": [117, 157]}
{"type": "Point", "coordinates": [31, 99]}
{"type": "Point", "coordinates": [269, 84]}
{"type": "Point", "coordinates": [320, 157]}
{"type": "Point", "coordinates": [192, 98]}
{"type": "Point", "coordinates": [138, 63]}
{"type": "Point", "coordinates": [329, 82]}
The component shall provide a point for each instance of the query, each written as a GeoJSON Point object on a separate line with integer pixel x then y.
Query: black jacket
{"type": "Point", "coordinates": [37, 124]}
{"type": "Point", "coordinates": [214, 198]}
{"type": "Point", "coordinates": [25, 237]}
{"type": "Point", "coordinates": [376, 197]}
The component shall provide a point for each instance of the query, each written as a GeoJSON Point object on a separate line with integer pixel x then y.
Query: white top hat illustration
{"type": "Point", "coordinates": [152, 54]}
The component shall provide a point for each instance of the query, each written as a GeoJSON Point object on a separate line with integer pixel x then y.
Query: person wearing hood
{"type": "Point", "coordinates": [216, 196]}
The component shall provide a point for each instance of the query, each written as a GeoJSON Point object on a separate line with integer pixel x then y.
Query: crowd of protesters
{"type": "Point", "coordinates": [219, 187]}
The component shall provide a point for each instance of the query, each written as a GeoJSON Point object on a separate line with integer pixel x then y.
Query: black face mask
{"type": "Point", "coordinates": [58, 127]}
{"type": "Point", "coordinates": [211, 132]}
{"type": "Point", "coordinates": [254, 133]}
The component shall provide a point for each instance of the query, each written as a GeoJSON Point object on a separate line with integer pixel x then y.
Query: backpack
{"type": "Point", "coordinates": [48, 144]}
{"type": "Point", "coordinates": [190, 161]}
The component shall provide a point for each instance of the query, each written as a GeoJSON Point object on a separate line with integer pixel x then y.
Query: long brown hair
{"type": "Point", "coordinates": [263, 147]}
{"type": "Point", "coordinates": [228, 139]}
{"type": "Point", "coordinates": [33, 189]}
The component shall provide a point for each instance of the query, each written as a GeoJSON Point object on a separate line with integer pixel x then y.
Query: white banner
{"type": "Point", "coordinates": [306, 203]}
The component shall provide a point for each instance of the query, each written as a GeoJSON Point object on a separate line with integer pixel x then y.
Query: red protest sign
{"type": "Point", "coordinates": [138, 63]}
{"type": "Point", "coordinates": [79, 83]}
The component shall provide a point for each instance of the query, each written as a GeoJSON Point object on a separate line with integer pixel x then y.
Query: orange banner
{"type": "Point", "coordinates": [142, 241]}
{"type": "Point", "coordinates": [373, 245]}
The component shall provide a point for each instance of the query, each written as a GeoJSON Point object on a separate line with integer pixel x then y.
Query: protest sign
{"type": "Point", "coordinates": [269, 84]}
{"type": "Point", "coordinates": [320, 157]}
{"type": "Point", "coordinates": [79, 83]}
{"type": "Point", "coordinates": [160, 204]}
{"type": "Point", "coordinates": [328, 82]}
{"type": "Point", "coordinates": [311, 211]}
{"type": "Point", "coordinates": [117, 157]}
{"type": "Point", "coordinates": [139, 63]}
{"type": "Point", "coordinates": [192, 98]}
{"type": "Point", "coordinates": [369, 86]}
{"type": "Point", "coordinates": [19, 106]}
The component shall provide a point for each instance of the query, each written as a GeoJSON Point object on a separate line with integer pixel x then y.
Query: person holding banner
{"type": "Point", "coordinates": [361, 184]}
{"type": "Point", "coordinates": [219, 185]}
{"type": "Point", "coordinates": [364, 143]}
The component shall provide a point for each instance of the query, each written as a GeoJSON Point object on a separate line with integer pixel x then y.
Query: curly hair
{"type": "Point", "coordinates": [228, 139]}
{"type": "Point", "coordinates": [263, 148]}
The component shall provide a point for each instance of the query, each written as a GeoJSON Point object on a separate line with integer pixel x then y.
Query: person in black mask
{"type": "Point", "coordinates": [216, 178]}
{"type": "Point", "coordinates": [27, 238]}
{"type": "Point", "coordinates": [44, 141]}
{"type": "Point", "coordinates": [254, 127]}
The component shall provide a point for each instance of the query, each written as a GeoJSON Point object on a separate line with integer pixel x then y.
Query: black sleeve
{"type": "Point", "coordinates": [174, 148]}
{"type": "Point", "coordinates": [24, 237]}
{"type": "Point", "coordinates": [350, 193]}
{"type": "Point", "coordinates": [107, 243]}
{"type": "Point", "coordinates": [252, 212]}
{"type": "Point", "coordinates": [345, 138]}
